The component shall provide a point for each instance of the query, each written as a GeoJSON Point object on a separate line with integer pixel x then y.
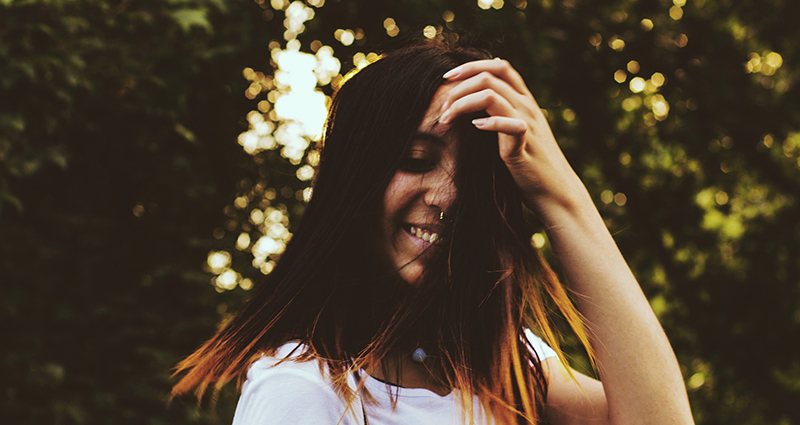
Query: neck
{"type": "Point", "coordinates": [400, 370]}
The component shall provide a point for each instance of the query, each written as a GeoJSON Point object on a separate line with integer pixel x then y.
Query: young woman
{"type": "Point", "coordinates": [410, 290]}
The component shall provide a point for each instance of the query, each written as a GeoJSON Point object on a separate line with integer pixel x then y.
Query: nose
{"type": "Point", "coordinates": [440, 190]}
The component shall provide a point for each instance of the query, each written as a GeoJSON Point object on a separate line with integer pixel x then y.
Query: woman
{"type": "Point", "coordinates": [407, 293]}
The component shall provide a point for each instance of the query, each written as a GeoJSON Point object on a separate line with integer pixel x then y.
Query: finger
{"type": "Point", "coordinates": [482, 81]}
{"type": "Point", "coordinates": [506, 125]}
{"type": "Point", "coordinates": [484, 100]}
{"type": "Point", "coordinates": [499, 67]}
{"type": "Point", "coordinates": [510, 131]}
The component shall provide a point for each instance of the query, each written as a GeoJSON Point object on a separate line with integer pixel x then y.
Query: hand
{"type": "Point", "coordinates": [526, 143]}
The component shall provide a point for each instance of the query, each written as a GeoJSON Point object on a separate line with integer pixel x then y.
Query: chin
{"type": "Point", "coordinates": [411, 273]}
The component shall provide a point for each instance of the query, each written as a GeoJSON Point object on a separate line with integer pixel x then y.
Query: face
{"type": "Point", "coordinates": [422, 188]}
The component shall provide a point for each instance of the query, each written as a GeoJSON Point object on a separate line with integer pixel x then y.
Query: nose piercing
{"type": "Point", "coordinates": [441, 215]}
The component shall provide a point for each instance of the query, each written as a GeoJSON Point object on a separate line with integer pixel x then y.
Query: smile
{"type": "Point", "coordinates": [424, 234]}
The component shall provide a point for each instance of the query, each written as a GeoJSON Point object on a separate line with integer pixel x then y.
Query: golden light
{"type": "Point", "coordinates": [660, 107]}
{"type": "Point", "coordinates": [768, 139]}
{"type": "Point", "coordinates": [307, 192]}
{"type": "Point", "coordinates": [625, 158]}
{"type": "Point", "coordinates": [658, 79]}
{"type": "Point", "coordinates": [538, 240]}
{"type": "Point", "coordinates": [679, 3]}
{"type": "Point", "coordinates": [632, 103]}
{"type": "Point", "coordinates": [617, 44]}
{"type": "Point", "coordinates": [568, 115]}
{"type": "Point", "coordinates": [607, 196]}
{"type": "Point", "coordinates": [391, 27]}
{"type": "Point", "coordinates": [240, 202]}
{"type": "Point", "coordinates": [448, 16]}
{"type": "Point", "coordinates": [754, 64]}
{"type": "Point", "coordinates": [485, 4]}
{"type": "Point", "coordinates": [595, 40]}
{"type": "Point", "coordinates": [676, 13]}
{"type": "Point", "coordinates": [138, 210]}
{"type": "Point", "coordinates": [696, 381]}
{"type": "Point", "coordinates": [620, 76]}
{"type": "Point", "coordinates": [721, 197]}
{"type": "Point", "coordinates": [498, 4]}
{"type": "Point", "coordinates": [646, 24]}
{"type": "Point", "coordinates": [218, 260]}
{"type": "Point", "coordinates": [296, 15]}
{"type": "Point", "coordinates": [243, 241]}
{"type": "Point", "coordinates": [267, 267]}
{"type": "Point", "coordinates": [313, 158]}
{"type": "Point", "coordinates": [429, 32]}
{"type": "Point", "coordinates": [774, 59]}
{"type": "Point", "coordinates": [637, 84]}
{"type": "Point", "coordinates": [256, 216]}
{"type": "Point", "coordinates": [360, 60]}
{"type": "Point", "coordinates": [346, 37]}
{"type": "Point", "coordinates": [305, 173]}
{"type": "Point", "coordinates": [246, 284]}
{"type": "Point", "coordinates": [633, 67]}
{"type": "Point", "coordinates": [620, 199]}
{"type": "Point", "coordinates": [227, 279]}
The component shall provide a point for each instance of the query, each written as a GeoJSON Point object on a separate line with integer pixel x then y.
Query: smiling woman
{"type": "Point", "coordinates": [420, 195]}
{"type": "Point", "coordinates": [410, 290]}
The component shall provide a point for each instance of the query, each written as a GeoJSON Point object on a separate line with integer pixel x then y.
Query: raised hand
{"type": "Point", "coordinates": [526, 143]}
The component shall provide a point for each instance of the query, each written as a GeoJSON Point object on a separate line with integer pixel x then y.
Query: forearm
{"type": "Point", "coordinates": [637, 366]}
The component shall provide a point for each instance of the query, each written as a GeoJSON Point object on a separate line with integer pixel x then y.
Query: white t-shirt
{"type": "Point", "coordinates": [297, 393]}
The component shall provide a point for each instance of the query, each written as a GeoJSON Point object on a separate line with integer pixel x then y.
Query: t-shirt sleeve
{"type": "Point", "coordinates": [541, 348]}
{"type": "Point", "coordinates": [288, 396]}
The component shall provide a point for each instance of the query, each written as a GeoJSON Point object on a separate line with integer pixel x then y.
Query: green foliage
{"type": "Point", "coordinates": [119, 165]}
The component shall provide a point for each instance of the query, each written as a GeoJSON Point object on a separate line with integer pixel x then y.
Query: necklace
{"type": "Point", "coordinates": [418, 355]}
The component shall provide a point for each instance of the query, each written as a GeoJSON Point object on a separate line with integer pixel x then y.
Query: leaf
{"type": "Point", "coordinates": [185, 132]}
{"type": "Point", "coordinates": [188, 18]}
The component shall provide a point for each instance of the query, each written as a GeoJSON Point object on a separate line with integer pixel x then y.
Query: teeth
{"type": "Point", "coordinates": [422, 234]}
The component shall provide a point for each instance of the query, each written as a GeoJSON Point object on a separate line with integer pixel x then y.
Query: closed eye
{"type": "Point", "coordinates": [417, 165]}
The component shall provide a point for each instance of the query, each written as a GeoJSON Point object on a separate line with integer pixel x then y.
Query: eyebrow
{"type": "Point", "coordinates": [430, 137]}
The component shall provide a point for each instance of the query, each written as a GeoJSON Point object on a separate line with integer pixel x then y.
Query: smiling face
{"type": "Point", "coordinates": [420, 191]}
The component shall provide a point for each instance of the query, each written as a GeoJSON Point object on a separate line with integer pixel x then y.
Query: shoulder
{"type": "Point", "coordinates": [281, 389]}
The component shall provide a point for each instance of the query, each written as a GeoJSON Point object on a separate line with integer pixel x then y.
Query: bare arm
{"type": "Point", "coordinates": [641, 381]}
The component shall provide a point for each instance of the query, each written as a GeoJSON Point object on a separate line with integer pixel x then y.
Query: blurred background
{"type": "Point", "coordinates": [156, 155]}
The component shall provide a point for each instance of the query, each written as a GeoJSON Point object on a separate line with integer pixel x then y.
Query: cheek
{"type": "Point", "coordinates": [398, 198]}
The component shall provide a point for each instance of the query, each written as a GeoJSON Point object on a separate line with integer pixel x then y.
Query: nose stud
{"type": "Point", "coordinates": [441, 215]}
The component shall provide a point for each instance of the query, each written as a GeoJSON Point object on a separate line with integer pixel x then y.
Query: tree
{"type": "Point", "coordinates": [120, 176]}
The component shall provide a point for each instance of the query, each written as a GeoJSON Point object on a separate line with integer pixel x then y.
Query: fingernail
{"type": "Point", "coordinates": [479, 122]}
{"type": "Point", "coordinates": [445, 117]}
{"type": "Point", "coordinates": [451, 73]}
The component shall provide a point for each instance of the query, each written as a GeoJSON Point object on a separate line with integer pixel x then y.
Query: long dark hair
{"type": "Point", "coordinates": [330, 291]}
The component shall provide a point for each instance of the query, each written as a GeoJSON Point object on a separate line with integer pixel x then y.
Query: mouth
{"type": "Point", "coordinates": [425, 235]}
